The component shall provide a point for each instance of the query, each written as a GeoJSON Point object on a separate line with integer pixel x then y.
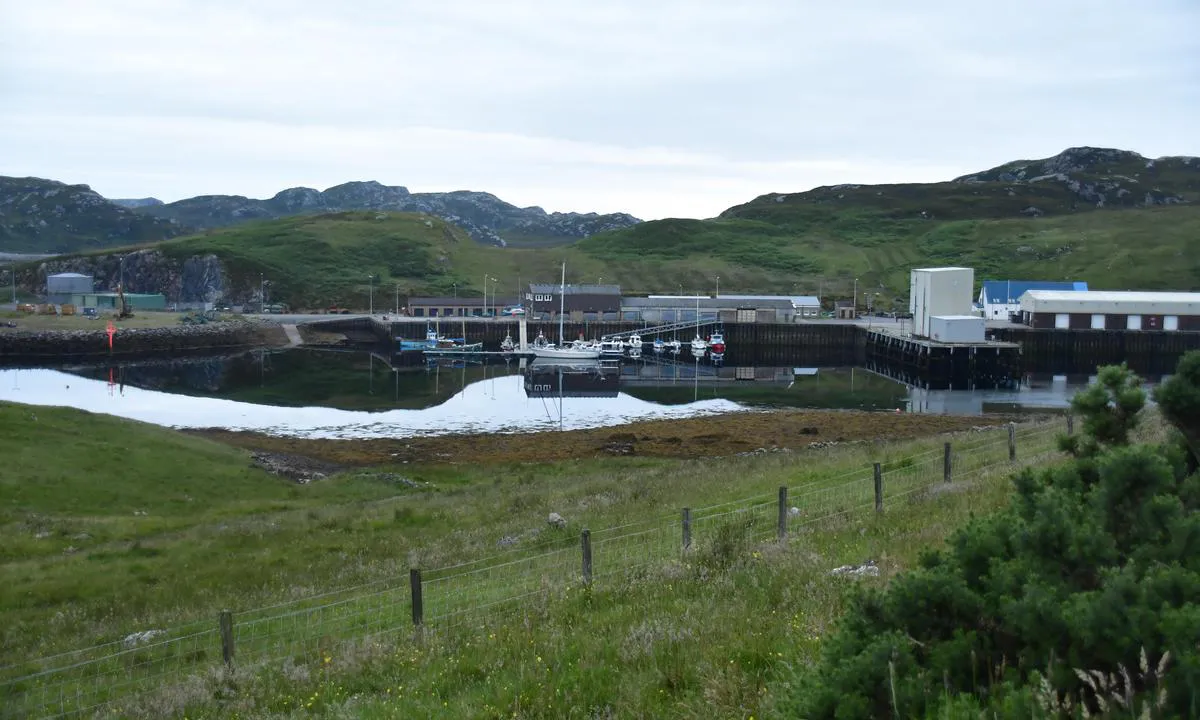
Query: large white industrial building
{"type": "Point", "coordinates": [940, 300]}
{"type": "Point", "coordinates": [1110, 310]}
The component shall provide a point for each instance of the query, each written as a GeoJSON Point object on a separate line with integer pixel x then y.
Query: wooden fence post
{"type": "Point", "coordinates": [226, 625]}
{"type": "Point", "coordinates": [418, 601]}
{"type": "Point", "coordinates": [878, 487]}
{"type": "Point", "coordinates": [687, 528]}
{"type": "Point", "coordinates": [586, 542]}
{"type": "Point", "coordinates": [1012, 442]}
{"type": "Point", "coordinates": [947, 464]}
{"type": "Point", "coordinates": [1070, 424]}
{"type": "Point", "coordinates": [783, 512]}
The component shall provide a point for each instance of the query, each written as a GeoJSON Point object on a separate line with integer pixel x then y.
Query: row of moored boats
{"type": "Point", "coordinates": [617, 347]}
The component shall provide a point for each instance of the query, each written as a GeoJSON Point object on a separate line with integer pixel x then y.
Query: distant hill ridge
{"type": "Point", "coordinates": [484, 216]}
{"type": "Point", "coordinates": [1077, 179]}
{"type": "Point", "coordinates": [44, 216]}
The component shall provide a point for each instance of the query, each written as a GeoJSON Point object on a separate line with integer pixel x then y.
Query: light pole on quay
{"type": "Point", "coordinates": [370, 294]}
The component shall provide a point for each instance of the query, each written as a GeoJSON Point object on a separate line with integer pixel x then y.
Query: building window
{"type": "Point", "coordinates": [1134, 322]}
{"type": "Point", "coordinates": [1171, 322]}
{"type": "Point", "coordinates": [1097, 322]}
{"type": "Point", "coordinates": [1062, 321]}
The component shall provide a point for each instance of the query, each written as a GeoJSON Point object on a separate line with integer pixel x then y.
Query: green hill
{"type": "Point", "coordinates": [1108, 217]}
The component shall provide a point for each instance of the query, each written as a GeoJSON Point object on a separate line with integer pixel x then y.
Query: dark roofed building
{"type": "Point", "coordinates": [580, 302]}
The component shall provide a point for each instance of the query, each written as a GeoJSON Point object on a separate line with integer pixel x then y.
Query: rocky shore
{"type": "Point", "coordinates": [748, 433]}
{"type": "Point", "coordinates": [34, 345]}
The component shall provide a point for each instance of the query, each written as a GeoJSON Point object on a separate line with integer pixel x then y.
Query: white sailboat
{"type": "Point", "coordinates": [577, 350]}
{"type": "Point", "coordinates": [699, 346]}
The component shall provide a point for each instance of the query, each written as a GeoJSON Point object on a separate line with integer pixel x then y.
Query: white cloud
{"type": "Point", "coordinates": [663, 108]}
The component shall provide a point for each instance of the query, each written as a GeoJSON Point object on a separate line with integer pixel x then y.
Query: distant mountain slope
{"type": "Point", "coordinates": [1078, 179]}
{"type": "Point", "coordinates": [44, 216]}
{"type": "Point", "coordinates": [484, 216]}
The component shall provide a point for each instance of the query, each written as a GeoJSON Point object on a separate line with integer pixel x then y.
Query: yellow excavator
{"type": "Point", "coordinates": [123, 311]}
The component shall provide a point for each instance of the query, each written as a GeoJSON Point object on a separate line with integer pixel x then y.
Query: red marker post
{"type": "Point", "coordinates": [111, 331]}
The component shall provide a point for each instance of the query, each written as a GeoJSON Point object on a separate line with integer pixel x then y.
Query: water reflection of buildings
{"type": "Point", "coordinates": [552, 380]}
{"type": "Point", "coordinates": [1035, 392]}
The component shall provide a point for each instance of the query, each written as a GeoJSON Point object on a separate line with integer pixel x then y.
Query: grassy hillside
{"type": "Point", "coordinates": [813, 247]}
{"type": "Point", "coordinates": [112, 527]}
{"type": "Point", "coordinates": [316, 261]}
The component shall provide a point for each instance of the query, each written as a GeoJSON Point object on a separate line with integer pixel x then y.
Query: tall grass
{"type": "Point", "coordinates": [492, 568]}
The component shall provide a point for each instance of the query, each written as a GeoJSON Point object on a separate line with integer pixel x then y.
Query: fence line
{"type": "Point", "coordinates": [111, 675]}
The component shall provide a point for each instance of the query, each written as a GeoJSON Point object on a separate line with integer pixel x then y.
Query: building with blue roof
{"type": "Point", "coordinates": [1001, 299]}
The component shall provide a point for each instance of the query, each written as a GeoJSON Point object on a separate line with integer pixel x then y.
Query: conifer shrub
{"type": "Point", "coordinates": [1081, 597]}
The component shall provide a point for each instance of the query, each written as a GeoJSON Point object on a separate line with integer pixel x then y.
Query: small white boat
{"type": "Point", "coordinates": [674, 346]}
{"type": "Point", "coordinates": [659, 345]}
{"type": "Point", "coordinates": [635, 341]}
{"type": "Point", "coordinates": [699, 347]}
{"type": "Point", "coordinates": [507, 344]}
{"type": "Point", "coordinates": [611, 348]}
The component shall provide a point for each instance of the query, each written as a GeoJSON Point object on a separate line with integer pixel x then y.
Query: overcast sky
{"type": "Point", "coordinates": [655, 107]}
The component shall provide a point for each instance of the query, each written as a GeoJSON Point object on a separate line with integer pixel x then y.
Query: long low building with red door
{"type": "Point", "coordinates": [1111, 310]}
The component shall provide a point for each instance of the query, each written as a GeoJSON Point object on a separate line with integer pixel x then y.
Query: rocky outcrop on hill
{"type": "Point", "coordinates": [484, 216]}
{"type": "Point", "coordinates": [44, 216]}
{"type": "Point", "coordinates": [1104, 176]}
{"type": "Point", "coordinates": [199, 278]}
{"type": "Point", "coordinates": [136, 202]}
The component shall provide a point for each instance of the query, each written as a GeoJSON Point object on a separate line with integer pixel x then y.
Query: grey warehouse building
{"type": "Point", "coordinates": [60, 287]}
{"type": "Point", "coordinates": [664, 309]}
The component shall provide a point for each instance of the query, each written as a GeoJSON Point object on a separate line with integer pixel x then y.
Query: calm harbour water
{"type": "Point", "coordinates": [323, 394]}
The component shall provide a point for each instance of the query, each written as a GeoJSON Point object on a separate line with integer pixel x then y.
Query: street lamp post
{"type": "Point", "coordinates": [397, 308]}
{"type": "Point", "coordinates": [856, 297]}
{"type": "Point", "coordinates": [262, 293]}
{"type": "Point", "coordinates": [370, 294]}
{"type": "Point", "coordinates": [718, 286]}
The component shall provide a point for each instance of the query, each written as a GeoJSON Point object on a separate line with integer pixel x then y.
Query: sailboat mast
{"type": "Point", "coordinates": [562, 296]}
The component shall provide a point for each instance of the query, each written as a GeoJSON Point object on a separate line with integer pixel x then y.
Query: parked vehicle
{"type": "Point", "coordinates": [513, 310]}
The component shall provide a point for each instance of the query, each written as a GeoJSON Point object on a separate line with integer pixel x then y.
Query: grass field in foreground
{"type": "Point", "coordinates": [113, 527]}
{"type": "Point", "coordinates": [718, 632]}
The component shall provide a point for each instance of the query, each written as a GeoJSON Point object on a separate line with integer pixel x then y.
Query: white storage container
{"type": "Point", "coordinates": [956, 329]}
{"type": "Point", "coordinates": [938, 292]}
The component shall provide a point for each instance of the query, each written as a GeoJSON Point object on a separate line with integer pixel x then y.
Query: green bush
{"type": "Point", "coordinates": [1080, 596]}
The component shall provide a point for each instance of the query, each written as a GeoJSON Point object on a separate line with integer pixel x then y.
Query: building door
{"type": "Point", "coordinates": [747, 315]}
{"type": "Point", "coordinates": [1062, 321]}
{"type": "Point", "coordinates": [1171, 322]}
{"type": "Point", "coordinates": [1134, 322]}
{"type": "Point", "coordinates": [1097, 322]}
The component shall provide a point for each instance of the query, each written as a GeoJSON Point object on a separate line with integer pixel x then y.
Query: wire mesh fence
{"type": "Point", "coordinates": [472, 595]}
